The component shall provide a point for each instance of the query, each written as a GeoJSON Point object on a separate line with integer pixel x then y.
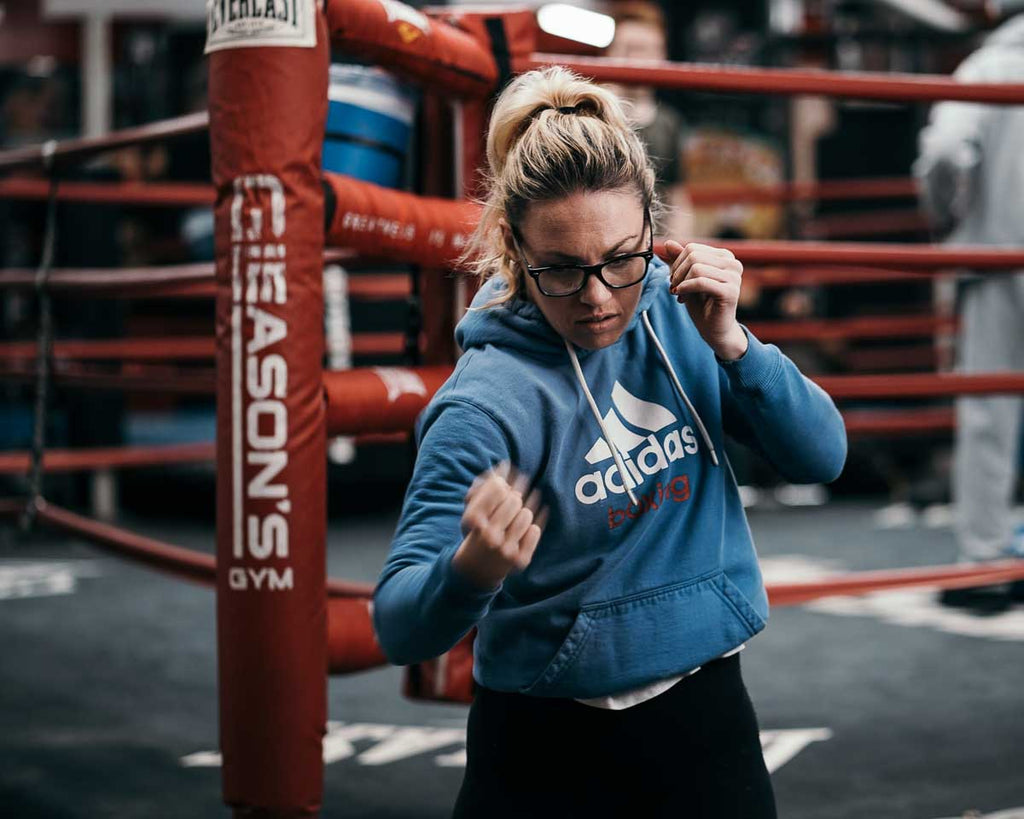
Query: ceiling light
{"type": "Point", "coordinates": [573, 23]}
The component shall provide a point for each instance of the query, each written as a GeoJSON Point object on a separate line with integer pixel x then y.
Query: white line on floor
{"type": "Point", "coordinates": [21, 579]}
{"type": "Point", "coordinates": [392, 743]}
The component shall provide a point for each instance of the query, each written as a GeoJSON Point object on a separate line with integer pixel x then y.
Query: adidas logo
{"type": "Point", "coordinates": [654, 451]}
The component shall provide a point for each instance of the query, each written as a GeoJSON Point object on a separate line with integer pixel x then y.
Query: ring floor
{"type": "Point", "coordinates": [883, 706]}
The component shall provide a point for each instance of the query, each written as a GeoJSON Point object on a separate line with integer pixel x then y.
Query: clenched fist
{"type": "Point", "coordinates": [501, 527]}
{"type": "Point", "coordinates": [707, 279]}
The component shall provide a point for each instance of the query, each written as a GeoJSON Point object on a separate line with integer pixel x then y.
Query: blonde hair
{"type": "Point", "coordinates": [552, 134]}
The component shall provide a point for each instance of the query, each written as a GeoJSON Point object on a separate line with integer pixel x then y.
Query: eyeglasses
{"type": "Point", "coordinates": [616, 273]}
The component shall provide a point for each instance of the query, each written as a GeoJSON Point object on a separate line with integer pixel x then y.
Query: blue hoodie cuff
{"type": "Point", "coordinates": [460, 591]}
{"type": "Point", "coordinates": [757, 369]}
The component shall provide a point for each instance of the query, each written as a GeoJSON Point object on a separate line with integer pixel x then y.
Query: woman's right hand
{"type": "Point", "coordinates": [501, 527]}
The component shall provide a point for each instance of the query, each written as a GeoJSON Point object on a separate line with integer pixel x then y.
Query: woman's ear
{"type": "Point", "coordinates": [513, 262]}
{"type": "Point", "coordinates": [506, 236]}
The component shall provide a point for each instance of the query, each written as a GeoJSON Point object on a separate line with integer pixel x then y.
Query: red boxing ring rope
{"type": "Point", "coordinates": [943, 577]}
{"type": "Point", "coordinates": [66, 150]}
{"type": "Point", "coordinates": [172, 348]}
{"type": "Point", "coordinates": [919, 385]}
{"type": "Point", "coordinates": [73, 460]}
{"type": "Point", "coordinates": [191, 194]}
{"type": "Point", "coordinates": [827, 190]}
{"type": "Point", "coordinates": [185, 281]}
{"type": "Point", "coordinates": [919, 421]}
{"type": "Point", "coordinates": [125, 457]}
{"type": "Point", "coordinates": [173, 194]}
{"type": "Point", "coordinates": [201, 348]}
{"type": "Point", "coordinates": [196, 280]}
{"type": "Point", "coordinates": [775, 81]}
{"type": "Point", "coordinates": [185, 563]}
{"type": "Point", "coordinates": [162, 194]}
{"type": "Point", "coordinates": [859, 327]}
{"type": "Point", "coordinates": [872, 254]}
{"type": "Point", "coordinates": [777, 276]}
{"type": "Point", "coordinates": [170, 280]}
{"type": "Point", "coordinates": [359, 401]}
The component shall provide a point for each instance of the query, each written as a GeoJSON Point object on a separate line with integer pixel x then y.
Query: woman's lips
{"type": "Point", "coordinates": [597, 324]}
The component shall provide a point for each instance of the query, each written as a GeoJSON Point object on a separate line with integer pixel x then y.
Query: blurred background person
{"type": "Point", "coordinates": [971, 174]}
{"type": "Point", "coordinates": [641, 34]}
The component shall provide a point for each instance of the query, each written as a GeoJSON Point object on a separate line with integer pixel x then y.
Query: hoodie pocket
{"type": "Point", "coordinates": [635, 640]}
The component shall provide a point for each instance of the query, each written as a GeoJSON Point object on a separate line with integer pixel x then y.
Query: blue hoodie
{"type": "Point", "coordinates": [618, 594]}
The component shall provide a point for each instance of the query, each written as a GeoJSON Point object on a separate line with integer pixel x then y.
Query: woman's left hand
{"type": "Point", "coordinates": [707, 280]}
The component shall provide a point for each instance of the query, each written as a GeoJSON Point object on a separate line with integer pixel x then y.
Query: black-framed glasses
{"type": "Point", "coordinates": [616, 273]}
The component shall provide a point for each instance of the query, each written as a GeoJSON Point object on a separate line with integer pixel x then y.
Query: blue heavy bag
{"type": "Point", "coordinates": [369, 118]}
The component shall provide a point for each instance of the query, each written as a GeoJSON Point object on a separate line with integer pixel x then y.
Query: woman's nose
{"type": "Point", "coordinates": [594, 291]}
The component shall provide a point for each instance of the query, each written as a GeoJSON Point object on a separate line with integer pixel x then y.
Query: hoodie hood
{"type": "Point", "coordinates": [519, 325]}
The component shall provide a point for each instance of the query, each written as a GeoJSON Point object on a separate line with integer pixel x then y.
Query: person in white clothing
{"type": "Point", "coordinates": [971, 176]}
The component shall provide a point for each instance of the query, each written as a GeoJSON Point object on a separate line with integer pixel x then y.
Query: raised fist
{"type": "Point", "coordinates": [501, 527]}
{"type": "Point", "coordinates": [707, 280]}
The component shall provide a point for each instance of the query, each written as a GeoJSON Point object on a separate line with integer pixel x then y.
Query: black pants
{"type": "Point", "coordinates": [692, 752]}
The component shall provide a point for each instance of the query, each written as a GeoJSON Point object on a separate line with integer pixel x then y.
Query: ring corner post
{"type": "Point", "coordinates": [268, 107]}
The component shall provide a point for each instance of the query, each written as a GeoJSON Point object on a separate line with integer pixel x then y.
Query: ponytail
{"type": "Point", "coordinates": [552, 133]}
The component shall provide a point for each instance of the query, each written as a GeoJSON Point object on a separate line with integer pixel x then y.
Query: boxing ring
{"type": "Point", "coordinates": [281, 621]}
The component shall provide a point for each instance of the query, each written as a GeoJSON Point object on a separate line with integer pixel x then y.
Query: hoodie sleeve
{"type": "Point", "coordinates": [422, 605]}
{"type": "Point", "coordinates": [770, 406]}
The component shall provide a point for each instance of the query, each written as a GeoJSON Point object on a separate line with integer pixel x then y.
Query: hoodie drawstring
{"type": "Point", "coordinates": [679, 388]}
{"type": "Point", "coordinates": [623, 475]}
{"type": "Point", "coordinates": [619, 465]}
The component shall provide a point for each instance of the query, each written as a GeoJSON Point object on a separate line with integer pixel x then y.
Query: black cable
{"type": "Point", "coordinates": [44, 351]}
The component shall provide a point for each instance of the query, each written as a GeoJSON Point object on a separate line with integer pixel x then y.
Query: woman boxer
{"type": "Point", "coordinates": [571, 497]}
